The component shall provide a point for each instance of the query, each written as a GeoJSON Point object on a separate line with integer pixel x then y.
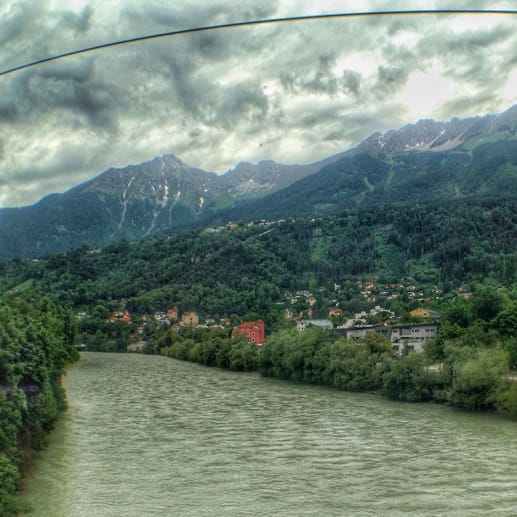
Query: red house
{"type": "Point", "coordinates": [253, 330]}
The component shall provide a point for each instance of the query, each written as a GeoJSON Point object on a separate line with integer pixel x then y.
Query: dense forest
{"type": "Point", "coordinates": [223, 272]}
{"type": "Point", "coordinates": [36, 343]}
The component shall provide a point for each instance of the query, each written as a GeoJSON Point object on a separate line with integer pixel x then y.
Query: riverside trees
{"type": "Point", "coordinates": [36, 342]}
{"type": "Point", "coordinates": [467, 365]}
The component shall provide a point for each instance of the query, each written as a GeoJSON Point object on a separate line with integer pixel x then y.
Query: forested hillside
{"type": "Point", "coordinates": [233, 271]}
{"type": "Point", "coordinates": [36, 343]}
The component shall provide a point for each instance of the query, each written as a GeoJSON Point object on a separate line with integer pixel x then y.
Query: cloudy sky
{"type": "Point", "coordinates": [290, 92]}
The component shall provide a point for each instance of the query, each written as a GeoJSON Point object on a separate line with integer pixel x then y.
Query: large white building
{"type": "Point", "coordinates": [403, 338]}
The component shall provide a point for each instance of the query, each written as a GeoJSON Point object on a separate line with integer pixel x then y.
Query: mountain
{"type": "Point", "coordinates": [430, 135]}
{"type": "Point", "coordinates": [420, 162]}
{"type": "Point", "coordinates": [162, 195]}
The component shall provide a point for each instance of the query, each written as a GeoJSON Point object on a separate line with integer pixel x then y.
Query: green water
{"type": "Point", "coordinates": [148, 436]}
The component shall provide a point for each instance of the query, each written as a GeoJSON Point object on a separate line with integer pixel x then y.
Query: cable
{"type": "Point", "coordinates": [253, 22]}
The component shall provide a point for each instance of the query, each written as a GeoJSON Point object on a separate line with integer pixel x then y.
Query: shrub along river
{"type": "Point", "coordinates": [147, 435]}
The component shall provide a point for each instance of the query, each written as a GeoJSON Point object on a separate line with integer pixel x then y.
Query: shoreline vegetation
{"type": "Point", "coordinates": [36, 343]}
{"type": "Point", "coordinates": [468, 365]}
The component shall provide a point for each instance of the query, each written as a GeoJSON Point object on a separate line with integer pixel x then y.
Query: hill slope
{"type": "Point", "coordinates": [418, 163]}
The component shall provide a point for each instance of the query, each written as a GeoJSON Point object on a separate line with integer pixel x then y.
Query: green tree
{"type": "Point", "coordinates": [478, 381]}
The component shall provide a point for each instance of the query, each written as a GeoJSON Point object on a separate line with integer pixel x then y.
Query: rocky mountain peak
{"type": "Point", "coordinates": [432, 135]}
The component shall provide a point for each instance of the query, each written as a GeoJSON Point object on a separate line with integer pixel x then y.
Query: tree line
{"type": "Point", "coordinates": [37, 341]}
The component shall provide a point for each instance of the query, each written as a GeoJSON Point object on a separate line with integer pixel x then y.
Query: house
{"type": "Point", "coordinates": [189, 319]}
{"type": "Point", "coordinates": [161, 318]}
{"type": "Point", "coordinates": [122, 316]}
{"type": "Point", "coordinates": [310, 300]}
{"type": "Point", "coordinates": [423, 313]}
{"type": "Point", "coordinates": [172, 313]}
{"type": "Point", "coordinates": [253, 330]}
{"type": "Point", "coordinates": [359, 332]}
{"type": "Point", "coordinates": [412, 337]}
{"type": "Point", "coordinates": [403, 338]}
{"type": "Point", "coordinates": [335, 311]}
{"type": "Point", "coordinates": [324, 324]}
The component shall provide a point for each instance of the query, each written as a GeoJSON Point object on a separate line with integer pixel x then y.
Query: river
{"type": "Point", "coordinates": [151, 436]}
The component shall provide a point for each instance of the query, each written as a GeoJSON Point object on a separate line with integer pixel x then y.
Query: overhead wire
{"type": "Point", "coordinates": [265, 21]}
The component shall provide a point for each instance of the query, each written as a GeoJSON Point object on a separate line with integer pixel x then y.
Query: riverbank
{"type": "Point", "coordinates": [473, 379]}
{"type": "Point", "coordinates": [37, 344]}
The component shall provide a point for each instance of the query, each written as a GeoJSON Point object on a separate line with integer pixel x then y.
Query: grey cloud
{"type": "Point", "coordinates": [192, 14]}
{"type": "Point", "coordinates": [17, 19]}
{"type": "Point", "coordinates": [322, 117]}
{"type": "Point", "coordinates": [35, 93]}
{"type": "Point", "coordinates": [390, 78]}
{"type": "Point", "coordinates": [358, 125]}
{"type": "Point", "coordinates": [482, 102]}
{"type": "Point", "coordinates": [351, 81]}
{"type": "Point", "coordinates": [244, 100]}
{"type": "Point", "coordinates": [311, 77]}
{"type": "Point", "coordinates": [8, 111]}
{"type": "Point", "coordinates": [79, 22]}
{"type": "Point", "coordinates": [461, 45]}
{"type": "Point", "coordinates": [80, 70]}
{"type": "Point", "coordinates": [322, 79]}
{"type": "Point", "coordinates": [479, 39]}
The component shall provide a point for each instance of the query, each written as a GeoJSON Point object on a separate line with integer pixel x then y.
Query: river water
{"type": "Point", "coordinates": [148, 435]}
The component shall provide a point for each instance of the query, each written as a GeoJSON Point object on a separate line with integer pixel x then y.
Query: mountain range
{"type": "Point", "coordinates": [422, 162]}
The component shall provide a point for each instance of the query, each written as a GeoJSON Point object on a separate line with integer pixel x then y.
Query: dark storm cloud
{"type": "Point", "coordinates": [58, 87]}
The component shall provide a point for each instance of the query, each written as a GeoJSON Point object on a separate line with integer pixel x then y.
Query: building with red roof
{"type": "Point", "coordinates": [253, 330]}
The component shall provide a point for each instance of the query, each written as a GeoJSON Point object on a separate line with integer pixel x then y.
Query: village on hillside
{"type": "Point", "coordinates": [302, 309]}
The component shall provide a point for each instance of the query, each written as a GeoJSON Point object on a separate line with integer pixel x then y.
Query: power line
{"type": "Point", "coordinates": [266, 21]}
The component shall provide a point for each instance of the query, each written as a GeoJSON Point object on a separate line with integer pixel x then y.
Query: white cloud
{"type": "Point", "coordinates": [425, 90]}
{"type": "Point", "coordinates": [508, 92]}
